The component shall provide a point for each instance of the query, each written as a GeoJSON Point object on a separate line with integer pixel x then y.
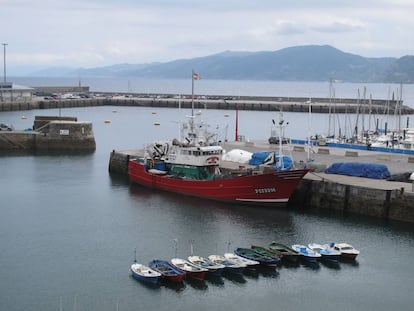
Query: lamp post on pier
{"type": "Point", "coordinates": [4, 60]}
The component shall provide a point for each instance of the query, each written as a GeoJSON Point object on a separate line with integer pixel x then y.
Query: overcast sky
{"type": "Point", "coordinates": [92, 33]}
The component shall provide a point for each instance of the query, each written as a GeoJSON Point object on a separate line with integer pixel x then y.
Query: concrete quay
{"type": "Point", "coordinates": [391, 200]}
{"type": "Point", "coordinates": [50, 134]}
{"type": "Point", "coordinates": [252, 103]}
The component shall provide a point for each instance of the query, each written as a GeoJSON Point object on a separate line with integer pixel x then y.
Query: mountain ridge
{"type": "Point", "coordinates": [297, 63]}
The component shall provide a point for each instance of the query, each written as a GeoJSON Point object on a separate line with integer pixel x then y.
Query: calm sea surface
{"type": "Point", "coordinates": [68, 230]}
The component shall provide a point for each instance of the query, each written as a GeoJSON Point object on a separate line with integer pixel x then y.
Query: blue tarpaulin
{"type": "Point", "coordinates": [368, 170]}
{"type": "Point", "coordinates": [272, 158]}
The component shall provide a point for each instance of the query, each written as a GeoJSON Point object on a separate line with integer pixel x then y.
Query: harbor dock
{"type": "Point", "coordinates": [390, 200]}
{"type": "Point", "coordinates": [252, 103]}
{"type": "Point", "coordinates": [50, 133]}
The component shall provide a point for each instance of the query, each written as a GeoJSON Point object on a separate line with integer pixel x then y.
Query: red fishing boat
{"type": "Point", "coordinates": [192, 166]}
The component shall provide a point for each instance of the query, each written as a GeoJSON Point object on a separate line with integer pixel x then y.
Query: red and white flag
{"type": "Point", "coordinates": [196, 76]}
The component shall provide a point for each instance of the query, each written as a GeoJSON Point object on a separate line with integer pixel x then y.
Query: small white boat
{"type": "Point", "coordinates": [306, 252]}
{"type": "Point", "coordinates": [325, 251]}
{"type": "Point", "coordinates": [212, 267]}
{"type": "Point", "coordinates": [229, 264]}
{"type": "Point", "coordinates": [347, 251]}
{"type": "Point", "coordinates": [248, 262]}
{"type": "Point", "coordinates": [191, 270]}
{"type": "Point", "coordinates": [144, 273]}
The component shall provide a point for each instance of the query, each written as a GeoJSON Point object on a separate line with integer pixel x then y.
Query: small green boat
{"type": "Point", "coordinates": [266, 252]}
{"type": "Point", "coordinates": [253, 255]}
{"type": "Point", "coordinates": [287, 252]}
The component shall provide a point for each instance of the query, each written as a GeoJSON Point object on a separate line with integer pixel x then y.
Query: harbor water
{"type": "Point", "coordinates": [68, 230]}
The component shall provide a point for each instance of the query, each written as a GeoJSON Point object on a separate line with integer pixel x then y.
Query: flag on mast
{"type": "Point", "coordinates": [196, 76]}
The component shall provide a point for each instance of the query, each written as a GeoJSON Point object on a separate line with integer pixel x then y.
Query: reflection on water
{"type": "Point", "coordinates": [234, 277]}
{"type": "Point", "coordinates": [216, 280]}
{"type": "Point", "coordinates": [197, 284]}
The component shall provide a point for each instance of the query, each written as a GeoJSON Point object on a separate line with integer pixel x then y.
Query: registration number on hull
{"type": "Point", "coordinates": [264, 190]}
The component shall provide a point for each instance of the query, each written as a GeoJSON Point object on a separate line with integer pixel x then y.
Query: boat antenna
{"type": "Point", "coordinates": [191, 247]}
{"type": "Point", "coordinates": [228, 245]}
{"type": "Point", "coordinates": [176, 247]}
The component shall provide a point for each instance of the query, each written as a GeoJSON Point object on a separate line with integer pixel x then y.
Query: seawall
{"type": "Point", "coordinates": [287, 104]}
{"type": "Point", "coordinates": [392, 204]}
{"type": "Point", "coordinates": [51, 134]}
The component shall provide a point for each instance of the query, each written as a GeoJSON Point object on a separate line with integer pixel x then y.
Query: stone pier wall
{"type": "Point", "coordinates": [17, 140]}
{"type": "Point", "coordinates": [54, 136]}
{"type": "Point", "coordinates": [67, 135]}
{"type": "Point", "coordinates": [387, 204]}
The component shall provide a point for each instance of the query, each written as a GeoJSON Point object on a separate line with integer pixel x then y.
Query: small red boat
{"type": "Point", "coordinates": [168, 271]}
{"type": "Point", "coordinates": [190, 269]}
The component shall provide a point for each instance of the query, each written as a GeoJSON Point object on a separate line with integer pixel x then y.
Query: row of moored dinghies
{"type": "Point", "coordinates": [198, 267]}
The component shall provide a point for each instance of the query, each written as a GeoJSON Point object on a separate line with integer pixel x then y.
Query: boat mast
{"type": "Point", "coordinates": [309, 129]}
{"type": "Point", "coordinates": [192, 101]}
{"type": "Point", "coordinates": [237, 124]}
{"type": "Point", "coordinates": [330, 106]}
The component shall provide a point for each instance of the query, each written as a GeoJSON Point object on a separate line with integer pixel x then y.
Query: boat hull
{"type": "Point", "coordinates": [144, 273]}
{"type": "Point", "coordinates": [274, 188]}
{"type": "Point", "coordinates": [196, 275]}
{"type": "Point", "coordinates": [287, 253]}
{"type": "Point", "coordinates": [212, 268]}
{"type": "Point", "coordinates": [348, 256]}
{"type": "Point", "coordinates": [148, 279]}
{"type": "Point", "coordinates": [306, 253]}
{"type": "Point", "coordinates": [253, 255]}
{"type": "Point", "coordinates": [169, 272]}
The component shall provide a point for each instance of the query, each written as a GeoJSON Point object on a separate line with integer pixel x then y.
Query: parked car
{"type": "Point", "coordinates": [5, 127]}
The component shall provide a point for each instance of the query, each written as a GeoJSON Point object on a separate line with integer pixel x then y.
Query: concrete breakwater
{"type": "Point", "coordinates": [51, 134]}
{"type": "Point", "coordinates": [325, 194]}
{"type": "Point", "coordinates": [287, 104]}
{"type": "Point", "coordinates": [319, 191]}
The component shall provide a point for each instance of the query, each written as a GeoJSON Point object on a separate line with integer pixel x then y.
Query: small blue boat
{"type": "Point", "coordinates": [325, 251]}
{"type": "Point", "coordinates": [143, 273]}
{"type": "Point", "coordinates": [307, 253]}
{"type": "Point", "coordinates": [230, 266]}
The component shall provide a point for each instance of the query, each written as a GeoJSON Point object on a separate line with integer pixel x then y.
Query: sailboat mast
{"type": "Point", "coordinates": [237, 124]}
{"type": "Point", "coordinates": [192, 93]}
